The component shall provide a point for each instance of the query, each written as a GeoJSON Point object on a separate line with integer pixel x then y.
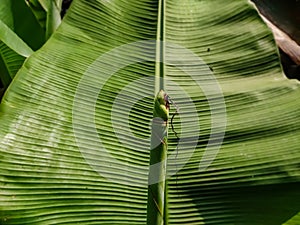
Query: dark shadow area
{"type": "Point", "coordinates": [65, 6]}
{"type": "Point", "coordinates": [290, 68]}
{"type": "Point", "coordinates": [285, 15]}
{"type": "Point", "coordinates": [247, 205]}
{"type": "Point", "coordinates": [2, 89]}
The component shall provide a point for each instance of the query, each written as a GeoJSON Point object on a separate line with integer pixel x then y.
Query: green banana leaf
{"type": "Point", "coordinates": [75, 122]}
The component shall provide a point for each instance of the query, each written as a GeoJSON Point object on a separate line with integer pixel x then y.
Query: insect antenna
{"type": "Point", "coordinates": [171, 102]}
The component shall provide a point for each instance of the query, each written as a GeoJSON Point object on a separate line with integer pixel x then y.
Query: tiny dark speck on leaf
{"type": "Point", "coordinates": [210, 68]}
{"type": "Point", "coordinates": [208, 50]}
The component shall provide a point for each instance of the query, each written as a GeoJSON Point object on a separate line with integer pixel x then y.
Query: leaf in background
{"type": "Point", "coordinates": [47, 13]}
{"type": "Point", "coordinates": [18, 30]}
{"type": "Point", "coordinates": [11, 40]}
{"type": "Point", "coordinates": [5, 16]}
{"type": "Point", "coordinates": [10, 63]}
{"type": "Point", "coordinates": [39, 12]}
{"type": "Point", "coordinates": [26, 25]}
{"type": "Point", "coordinates": [46, 178]}
{"type": "Point", "coordinates": [53, 16]}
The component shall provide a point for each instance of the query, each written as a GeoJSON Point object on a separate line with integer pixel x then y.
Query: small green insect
{"type": "Point", "coordinates": [169, 102]}
{"type": "Point", "coordinates": [161, 106]}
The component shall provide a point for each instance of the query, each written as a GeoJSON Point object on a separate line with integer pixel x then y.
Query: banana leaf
{"type": "Point", "coordinates": [75, 122]}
